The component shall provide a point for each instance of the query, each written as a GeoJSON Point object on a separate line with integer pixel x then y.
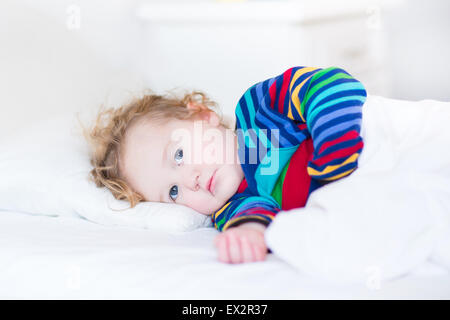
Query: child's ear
{"type": "Point", "coordinates": [205, 114]}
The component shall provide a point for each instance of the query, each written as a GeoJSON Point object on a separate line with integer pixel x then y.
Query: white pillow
{"type": "Point", "coordinates": [49, 70]}
{"type": "Point", "coordinates": [44, 170]}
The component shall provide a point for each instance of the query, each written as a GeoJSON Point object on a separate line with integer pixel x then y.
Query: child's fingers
{"type": "Point", "coordinates": [259, 252]}
{"type": "Point", "coordinates": [222, 250]}
{"type": "Point", "coordinates": [256, 253]}
{"type": "Point", "coordinates": [234, 248]}
{"type": "Point", "coordinates": [246, 250]}
{"type": "Point", "coordinates": [216, 240]}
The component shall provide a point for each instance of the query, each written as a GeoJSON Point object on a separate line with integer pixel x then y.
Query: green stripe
{"type": "Point", "coordinates": [236, 210]}
{"type": "Point", "coordinates": [277, 192]}
{"type": "Point", "coordinates": [221, 222]}
{"type": "Point", "coordinates": [314, 77]}
{"type": "Point", "coordinates": [324, 83]}
{"type": "Point", "coordinates": [223, 216]}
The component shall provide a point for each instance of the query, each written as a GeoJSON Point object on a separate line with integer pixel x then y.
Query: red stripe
{"type": "Point", "coordinates": [297, 180]}
{"type": "Point", "coordinates": [242, 186]}
{"type": "Point", "coordinates": [348, 136]}
{"type": "Point", "coordinates": [255, 210]}
{"type": "Point", "coordinates": [273, 93]}
{"type": "Point", "coordinates": [338, 154]}
{"type": "Point", "coordinates": [284, 88]}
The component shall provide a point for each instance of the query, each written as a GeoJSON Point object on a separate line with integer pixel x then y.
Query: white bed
{"type": "Point", "coordinates": [69, 258]}
{"type": "Point", "coordinates": [59, 238]}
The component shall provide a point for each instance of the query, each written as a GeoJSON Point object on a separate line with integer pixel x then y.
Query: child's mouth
{"type": "Point", "coordinates": [212, 182]}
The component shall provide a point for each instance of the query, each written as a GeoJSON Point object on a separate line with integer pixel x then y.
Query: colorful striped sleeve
{"type": "Point", "coordinates": [329, 101]}
{"type": "Point", "coordinates": [332, 109]}
{"type": "Point", "coordinates": [245, 209]}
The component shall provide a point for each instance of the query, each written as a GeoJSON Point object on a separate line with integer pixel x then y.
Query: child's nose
{"type": "Point", "coordinates": [191, 179]}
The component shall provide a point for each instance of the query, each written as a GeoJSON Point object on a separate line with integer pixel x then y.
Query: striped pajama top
{"type": "Point", "coordinates": [296, 132]}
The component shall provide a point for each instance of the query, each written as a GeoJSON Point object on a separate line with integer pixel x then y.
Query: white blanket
{"type": "Point", "coordinates": [388, 217]}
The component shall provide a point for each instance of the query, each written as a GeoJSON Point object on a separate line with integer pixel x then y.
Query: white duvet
{"type": "Point", "coordinates": [388, 217]}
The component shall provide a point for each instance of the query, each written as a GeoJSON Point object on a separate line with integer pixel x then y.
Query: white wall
{"type": "Point", "coordinates": [419, 49]}
{"type": "Point", "coordinates": [48, 67]}
{"type": "Point", "coordinates": [108, 27]}
{"type": "Point", "coordinates": [410, 37]}
{"type": "Point", "coordinates": [224, 49]}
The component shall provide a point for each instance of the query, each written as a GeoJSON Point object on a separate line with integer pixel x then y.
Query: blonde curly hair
{"type": "Point", "coordinates": [106, 136]}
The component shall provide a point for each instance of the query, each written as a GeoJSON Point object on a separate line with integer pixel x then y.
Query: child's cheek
{"type": "Point", "coordinates": [200, 204]}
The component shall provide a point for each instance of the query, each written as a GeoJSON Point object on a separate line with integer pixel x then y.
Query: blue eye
{"type": "Point", "coordinates": [173, 192]}
{"type": "Point", "coordinates": [178, 156]}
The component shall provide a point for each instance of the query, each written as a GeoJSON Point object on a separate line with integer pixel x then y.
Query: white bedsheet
{"type": "Point", "coordinates": [60, 257]}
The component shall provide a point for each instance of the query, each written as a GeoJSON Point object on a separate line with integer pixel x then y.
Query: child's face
{"type": "Point", "coordinates": [193, 163]}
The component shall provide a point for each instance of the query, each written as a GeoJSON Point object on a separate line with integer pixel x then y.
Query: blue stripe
{"type": "Point", "coordinates": [328, 73]}
{"type": "Point", "coordinates": [322, 106]}
{"type": "Point", "coordinates": [348, 93]}
{"type": "Point", "coordinates": [322, 96]}
{"type": "Point", "coordinates": [303, 77]}
{"type": "Point", "coordinates": [341, 105]}
{"type": "Point", "coordinates": [242, 113]}
{"type": "Point", "coordinates": [334, 162]}
{"type": "Point", "coordinates": [268, 121]}
{"type": "Point", "coordinates": [318, 140]}
{"type": "Point", "coordinates": [342, 169]}
{"type": "Point", "coordinates": [259, 92]}
{"type": "Point", "coordinates": [333, 115]}
{"type": "Point", "coordinates": [338, 146]}
{"type": "Point", "coordinates": [333, 122]}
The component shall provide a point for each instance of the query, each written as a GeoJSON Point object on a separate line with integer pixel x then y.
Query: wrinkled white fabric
{"type": "Point", "coordinates": [67, 258]}
{"type": "Point", "coordinates": [392, 214]}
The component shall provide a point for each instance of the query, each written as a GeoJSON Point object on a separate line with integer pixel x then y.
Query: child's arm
{"type": "Point", "coordinates": [329, 102]}
{"type": "Point", "coordinates": [245, 209]}
{"type": "Point", "coordinates": [244, 243]}
{"type": "Point", "coordinates": [243, 222]}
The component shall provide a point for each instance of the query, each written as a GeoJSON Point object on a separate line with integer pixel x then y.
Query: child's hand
{"type": "Point", "coordinates": [244, 243]}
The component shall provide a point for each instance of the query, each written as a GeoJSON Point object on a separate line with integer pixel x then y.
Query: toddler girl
{"type": "Point", "coordinates": [294, 133]}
